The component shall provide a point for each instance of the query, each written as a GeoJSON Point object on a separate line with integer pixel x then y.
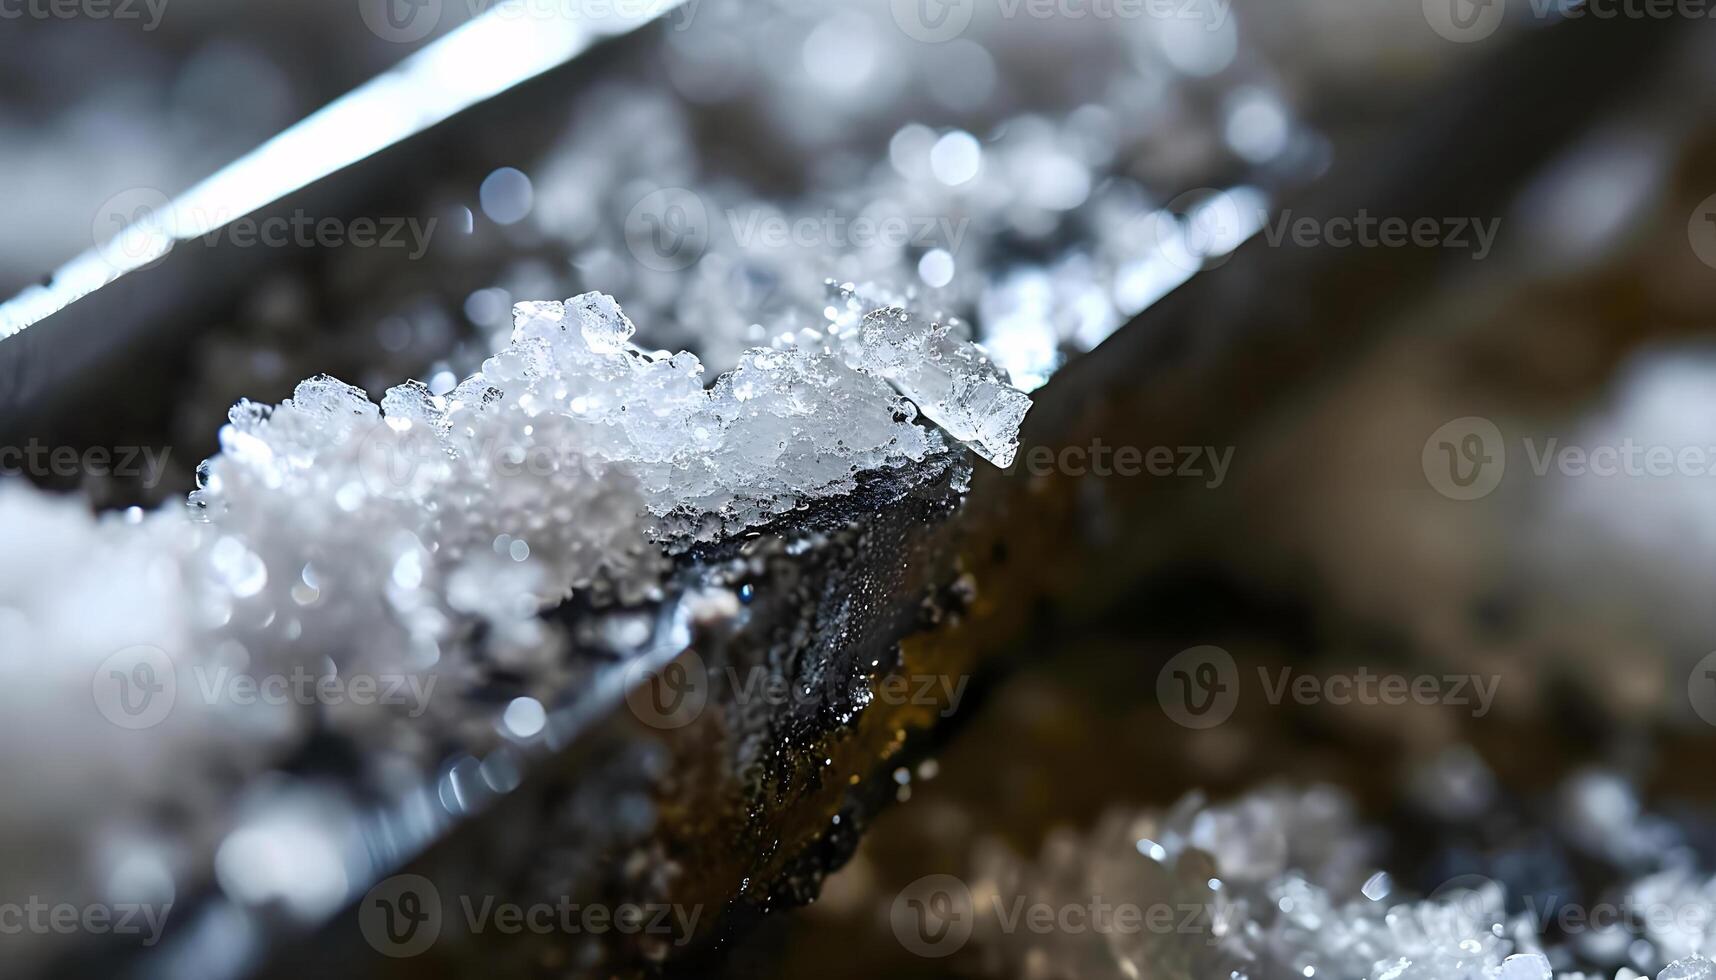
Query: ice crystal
{"type": "Point", "coordinates": [952, 380]}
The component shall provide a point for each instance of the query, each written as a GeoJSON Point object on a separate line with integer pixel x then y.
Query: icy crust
{"type": "Point", "coordinates": [338, 536]}
{"type": "Point", "coordinates": [582, 446]}
{"type": "Point", "coordinates": [573, 460]}
{"type": "Point", "coordinates": [337, 542]}
{"type": "Point", "coordinates": [1274, 886]}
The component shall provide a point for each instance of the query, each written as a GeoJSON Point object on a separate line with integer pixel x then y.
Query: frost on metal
{"type": "Point", "coordinates": [588, 452]}
{"type": "Point", "coordinates": [336, 535]}
{"type": "Point", "coordinates": [333, 539]}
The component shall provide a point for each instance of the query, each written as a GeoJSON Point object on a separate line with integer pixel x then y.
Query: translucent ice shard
{"type": "Point", "coordinates": [950, 379]}
{"type": "Point", "coordinates": [605, 328]}
{"type": "Point", "coordinates": [1525, 966]}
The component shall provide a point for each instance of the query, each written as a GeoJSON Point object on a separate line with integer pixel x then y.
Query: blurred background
{"type": "Point", "coordinates": [1417, 296]}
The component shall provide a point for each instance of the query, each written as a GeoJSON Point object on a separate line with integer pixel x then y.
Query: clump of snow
{"type": "Point", "coordinates": [332, 537]}
{"type": "Point", "coordinates": [352, 567]}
